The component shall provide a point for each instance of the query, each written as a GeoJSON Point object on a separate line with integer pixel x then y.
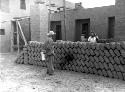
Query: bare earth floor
{"type": "Point", "coordinates": [27, 78]}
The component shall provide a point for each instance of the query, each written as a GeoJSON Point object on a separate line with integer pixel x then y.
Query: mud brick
{"type": "Point", "coordinates": [107, 46]}
{"type": "Point", "coordinates": [83, 63]}
{"type": "Point", "coordinates": [90, 70]}
{"type": "Point", "coordinates": [101, 46]}
{"type": "Point", "coordinates": [86, 69]}
{"type": "Point", "coordinates": [117, 52]}
{"type": "Point", "coordinates": [121, 60]}
{"type": "Point", "coordinates": [87, 52]}
{"type": "Point", "coordinates": [120, 76]}
{"type": "Point", "coordinates": [101, 65]}
{"type": "Point", "coordinates": [123, 75]}
{"type": "Point", "coordinates": [100, 73]}
{"type": "Point", "coordinates": [97, 47]}
{"type": "Point", "coordinates": [112, 45]}
{"type": "Point", "coordinates": [96, 65]}
{"type": "Point", "coordinates": [111, 60]}
{"type": "Point", "coordinates": [106, 59]}
{"type": "Point", "coordinates": [106, 66]}
{"type": "Point", "coordinates": [95, 71]}
{"type": "Point", "coordinates": [122, 53]}
{"type": "Point", "coordinates": [88, 45]}
{"type": "Point", "coordinates": [116, 59]}
{"type": "Point", "coordinates": [87, 63]}
{"type": "Point", "coordinates": [101, 53]}
{"type": "Point", "coordinates": [106, 53]}
{"type": "Point", "coordinates": [116, 67]}
{"type": "Point", "coordinates": [111, 67]}
{"type": "Point", "coordinates": [101, 59]}
{"type": "Point", "coordinates": [91, 52]}
{"type": "Point", "coordinates": [92, 59]}
{"type": "Point", "coordinates": [82, 51]}
{"type": "Point", "coordinates": [96, 59]}
{"type": "Point", "coordinates": [115, 74]}
{"type": "Point", "coordinates": [104, 72]}
{"type": "Point", "coordinates": [122, 44]}
{"type": "Point", "coordinates": [86, 58]}
{"type": "Point", "coordinates": [91, 64]}
{"type": "Point", "coordinates": [78, 63]}
{"type": "Point", "coordinates": [121, 67]}
{"type": "Point", "coordinates": [96, 52]}
{"type": "Point", "coordinates": [81, 69]}
{"type": "Point", "coordinates": [118, 46]}
{"type": "Point", "coordinates": [93, 46]}
{"type": "Point", "coordinates": [79, 50]}
{"type": "Point", "coordinates": [110, 74]}
{"type": "Point", "coordinates": [111, 52]}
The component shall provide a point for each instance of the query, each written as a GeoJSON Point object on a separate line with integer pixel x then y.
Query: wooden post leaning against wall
{"type": "Point", "coordinates": [18, 45]}
{"type": "Point", "coordinates": [12, 38]}
{"type": "Point", "coordinates": [18, 23]}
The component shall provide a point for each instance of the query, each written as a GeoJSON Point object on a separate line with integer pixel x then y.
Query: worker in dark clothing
{"type": "Point", "coordinates": [49, 52]}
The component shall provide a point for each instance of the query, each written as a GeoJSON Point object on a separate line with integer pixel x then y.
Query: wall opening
{"type": "Point", "coordinates": [25, 26]}
{"type": "Point", "coordinates": [111, 27]}
{"type": "Point", "coordinates": [2, 31]}
{"type": "Point", "coordinates": [57, 28]}
{"type": "Point", "coordinates": [22, 4]}
{"type": "Point", "coordinates": [82, 27]}
{"type": "Point", "coordinates": [58, 32]}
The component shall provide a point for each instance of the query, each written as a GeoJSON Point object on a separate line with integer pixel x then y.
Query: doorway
{"type": "Point", "coordinates": [57, 28]}
{"type": "Point", "coordinates": [82, 28]}
{"type": "Point", "coordinates": [58, 32]}
{"type": "Point", "coordinates": [111, 27]}
{"type": "Point", "coordinates": [25, 25]}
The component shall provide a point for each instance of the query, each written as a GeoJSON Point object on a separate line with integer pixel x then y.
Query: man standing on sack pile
{"type": "Point", "coordinates": [49, 52]}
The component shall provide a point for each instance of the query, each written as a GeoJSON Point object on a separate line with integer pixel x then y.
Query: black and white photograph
{"type": "Point", "coordinates": [62, 45]}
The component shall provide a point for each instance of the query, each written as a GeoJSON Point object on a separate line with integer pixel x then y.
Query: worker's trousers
{"type": "Point", "coordinates": [50, 67]}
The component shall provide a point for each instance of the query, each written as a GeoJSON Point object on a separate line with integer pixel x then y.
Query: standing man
{"type": "Point", "coordinates": [49, 52]}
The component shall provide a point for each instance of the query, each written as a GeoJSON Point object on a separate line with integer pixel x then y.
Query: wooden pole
{"type": "Point", "coordinates": [64, 7]}
{"type": "Point", "coordinates": [49, 12]}
{"type": "Point", "coordinates": [18, 45]}
{"type": "Point", "coordinates": [12, 41]}
{"type": "Point", "coordinates": [22, 33]}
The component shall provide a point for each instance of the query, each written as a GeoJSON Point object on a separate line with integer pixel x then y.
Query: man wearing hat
{"type": "Point", "coordinates": [49, 52]}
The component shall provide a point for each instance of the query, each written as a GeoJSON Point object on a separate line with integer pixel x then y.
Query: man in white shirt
{"type": "Point", "coordinates": [92, 38]}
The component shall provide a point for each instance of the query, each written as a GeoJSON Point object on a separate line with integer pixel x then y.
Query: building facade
{"type": "Point", "coordinates": [107, 22]}
{"type": "Point", "coordinates": [10, 9]}
{"type": "Point", "coordinates": [34, 28]}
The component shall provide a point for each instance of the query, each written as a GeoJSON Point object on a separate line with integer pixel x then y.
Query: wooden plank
{"type": "Point", "coordinates": [12, 41]}
{"type": "Point", "coordinates": [22, 33]}
{"type": "Point", "coordinates": [17, 37]}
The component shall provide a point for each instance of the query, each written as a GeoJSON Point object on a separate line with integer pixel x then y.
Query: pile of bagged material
{"type": "Point", "coordinates": [105, 59]}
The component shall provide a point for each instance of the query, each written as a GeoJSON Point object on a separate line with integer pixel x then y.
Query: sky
{"type": "Point", "coordinates": [94, 3]}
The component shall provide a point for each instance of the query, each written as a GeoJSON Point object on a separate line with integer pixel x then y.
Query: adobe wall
{"type": "Point", "coordinates": [7, 14]}
{"type": "Point", "coordinates": [98, 20]}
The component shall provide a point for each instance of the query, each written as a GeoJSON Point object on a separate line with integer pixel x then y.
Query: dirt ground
{"type": "Point", "coordinates": [26, 78]}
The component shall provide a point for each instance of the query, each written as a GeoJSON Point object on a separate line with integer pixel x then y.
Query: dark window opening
{"type": "Point", "coordinates": [58, 32]}
{"type": "Point", "coordinates": [111, 27]}
{"type": "Point", "coordinates": [85, 29]}
{"type": "Point", "coordinates": [2, 31]}
{"type": "Point", "coordinates": [82, 28]}
{"type": "Point", "coordinates": [22, 4]}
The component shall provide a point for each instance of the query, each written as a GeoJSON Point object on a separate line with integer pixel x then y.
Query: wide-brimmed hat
{"type": "Point", "coordinates": [50, 33]}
